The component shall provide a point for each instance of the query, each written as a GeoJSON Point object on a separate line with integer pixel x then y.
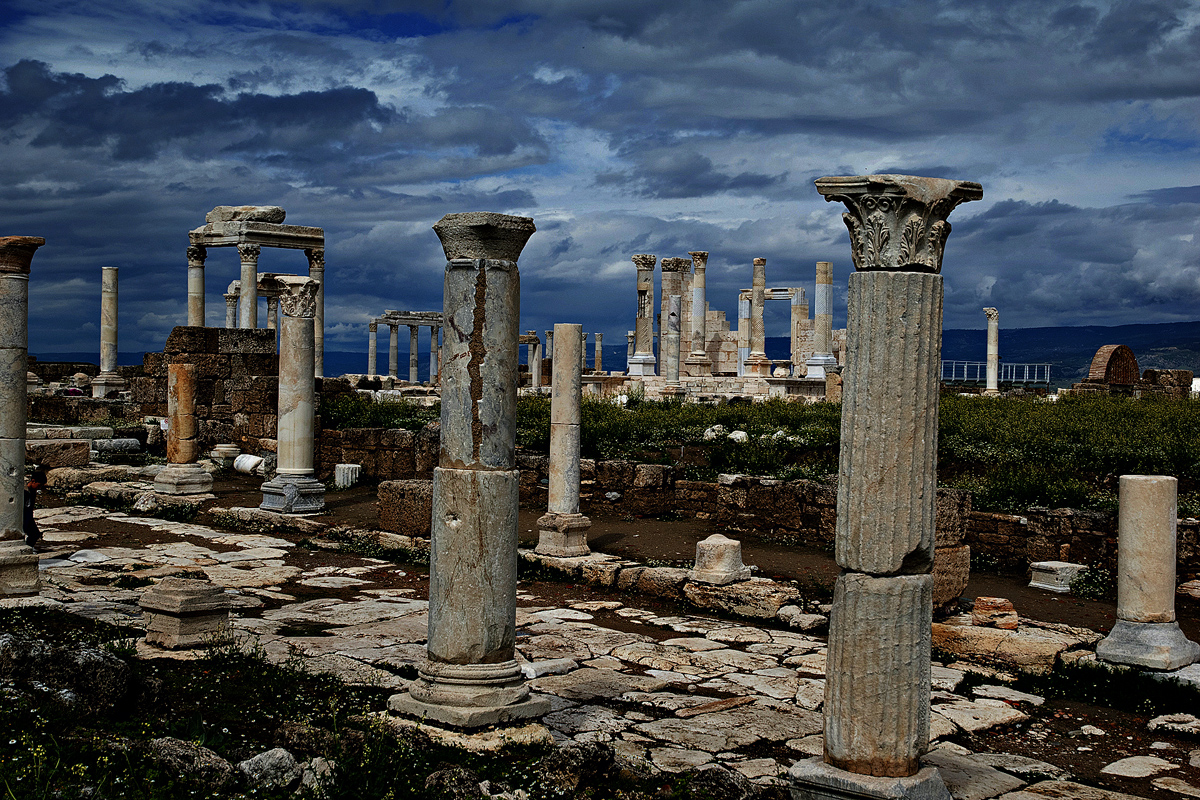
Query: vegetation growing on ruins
{"type": "Point", "coordinates": [355, 411]}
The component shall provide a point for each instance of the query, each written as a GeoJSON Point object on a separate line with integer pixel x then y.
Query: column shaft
{"type": "Point", "coordinates": [231, 310]}
{"type": "Point", "coordinates": [434, 332]}
{"type": "Point", "coordinates": [743, 331]}
{"type": "Point", "coordinates": [799, 317]}
{"type": "Point", "coordinates": [195, 301]}
{"type": "Point", "coordinates": [413, 375]}
{"type": "Point", "coordinates": [372, 348]}
{"type": "Point", "coordinates": [108, 319]}
{"type": "Point", "coordinates": [598, 355]}
{"type": "Point", "coordinates": [993, 352]}
{"type": "Point", "coordinates": [671, 340]}
{"type": "Point", "coordinates": [583, 351]}
{"type": "Point", "coordinates": [316, 271]}
{"type": "Point", "coordinates": [272, 313]}
{"type": "Point", "coordinates": [393, 349]}
{"type": "Point", "coordinates": [698, 362]}
{"type": "Point", "coordinates": [642, 361]}
{"type": "Point", "coordinates": [248, 306]}
{"type": "Point", "coordinates": [566, 392]}
{"type": "Point", "coordinates": [757, 363]}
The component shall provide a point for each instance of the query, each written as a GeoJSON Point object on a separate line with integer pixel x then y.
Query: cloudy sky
{"type": "Point", "coordinates": [620, 126]}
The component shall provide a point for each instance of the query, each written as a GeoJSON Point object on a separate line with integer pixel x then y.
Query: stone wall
{"type": "Point", "coordinates": [385, 454]}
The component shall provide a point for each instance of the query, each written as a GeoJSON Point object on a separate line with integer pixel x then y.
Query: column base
{"type": "Point", "coordinates": [641, 365]}
{"type": "Point", "coordinates": [813, 779]}
{"type": "Point", "coordinates": [469, 695]}
{"type": "Point", "coordinates": [182, 479]}
{"type": "Point", "coordinates": [18, 570]}
{"type": "Point", "coordinates": [1153, 645]}
{"type": "Point", "coordinates": [563, 535]}
{"type": "Point", "coordinates": [293, 494]}
{"type": "Point", "coordinates": [758, 366]}
{"type": "Point", "coordinates": [107, 382]}
{"type": "Point", "coordinates": [466, 716]}
{"type": "Point", "coordinates": [820, 365]}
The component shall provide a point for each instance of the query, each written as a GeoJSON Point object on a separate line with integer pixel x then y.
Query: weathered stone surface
{"type": "Point", "coordinates": [719, 561]}
{"type": "Point", "coordinates": [406, 507]}
{"type": "Point", "coordinates": [980, 715]}
{"type": "Point", "coordinates": [483, 234]}
{"type": "Point", "coordinates": [968, 777]}
{"type": "Point", "coordinates": [995, 612]}
{"type": "Point", "coordinates": [56, 453]}
{"type": "Point", "coordinates": [1146, 551]}
{"type": "Point", "coordinates": [1138, 767]}
{"type": "Point", "coordinates": [1023, 767]}
{"type": "Point", "coordinates": [813, 779]}
{"type": "Point", "coordinates": [272, 214]}
{"type": "Point", "coordinates": [274, 769]}
{"type": "Point", "coordinates": [1034, 647]}
{"type": "Point", "coordinates": [1008, 695]}
{"type": "Point", "coordinates": [178, 757]}
{"type": "Point", "coordinates": [1066, 790]}
{"type": "Point", "coordinates": [1176, 723]}
{"type": "Point", "coordinates": [738, 727]}
{"type": "Point", "coordinates": [1054, 576]}
{"type": "Point", "coordinates": [757, 597]}
{"type": "Point", "coordinates": [589, 683]}
{"type": "Point", "coordinates": [951, 571]}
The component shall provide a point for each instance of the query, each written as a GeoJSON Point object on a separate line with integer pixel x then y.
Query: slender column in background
{"type": "Point", "coordinates": [372, 347]}
{"type": "Point", "coordinates": [108, 380]}
{"type": "Point", "coordinates": [18, 561]}
{"type": "Point", "coordinates": [231, 307]}
{"type": "Point", "coordinates": [535, 361]}
{"type": "Point", "coordinates": [582, 351]}
{"type": "Point", "coordinates": [316, 271]}
{"type": "Point", "coordinates": [549, 344]}
{"type": "Point", "coordinates": [642, 361]}
{"type": "Point", "coordinates": [248, 306]}
{"type": "Point", "coordinates": [393, 349]}
{"type": "Point", "coordinates": [272, 313]}
{"type": "Point", "coordinates": [822, 361]}
{"type": "Point", "coordinates": [671, 340]}
{"type": "Point", "coordinates": [799, 317]}
{"type": "Point", "coordinates": [993, 353]}
{"type": "Point", "coordinates": [630, 339]}
{"type": "Point", "coordinates": [698, 363]}
{"type": "Point", "coordinates": [295, 489]}
{"type": "Point", "coordinates": [195, 303]}
{"type": "Point", "coordinates": [598, 355]}
{"type": "Point", "coordinates": [471, 678]}
{"type": "Point", "coordinates": [182, 475]}
{"type": "Point", "coordinates": [413, 375]}
{"type": "Point", "coordinates": [562, 531]}
{"type": "Point", "coordinates": [434, 333]}
{"type": "Point", "coordinates": [1146, 633]}
{"type": "Point", "coordinates": [877, 686]}
{"type": "Point", "coordinates": [743, 332]}
{"type": "Point", "coordinates": [757, 363]}
{"type": "Point", "coordinates": [673, 270]}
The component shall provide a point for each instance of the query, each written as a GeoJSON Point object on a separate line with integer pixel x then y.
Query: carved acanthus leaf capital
{"type": "Point", "coordinates": [249, 252]}
{"type": "Point", "coordinates": [645, 261]}
{"type": "Point", "coordinates": [196, 255]}
{"type": "Point", "coordinates": [676, 264]}
{"type": "Point", "coordinates": [297, 295]}
{"type": "Point", "coordinates": [992, 314]}
{"type": "Point", "coordinates": [316, 258]}
{"type": "Point", "coordinates": [898, 222]}
{"type": "Point", "coordinates": [699, 259]}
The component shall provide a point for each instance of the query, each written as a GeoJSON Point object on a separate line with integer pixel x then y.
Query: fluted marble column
{"type": "Point", "coordinates": [18, 561]}
{"type": "Point", "coordinates": [108, 380]}
{"type": "Point", "coordinates": [562, 531]}
{"type": "Point", "coordinates": [698, 363]}
{"type": "Point", "coordinates": [393, 349]}
{"type": "Point", "coordinates": [413, 330]}
{"type": "Point", "coordinates": [993, 353]}
{"type": "Point", "coordinates": [195, 256]}
{"type": "Point", "coordinates": [295, 489]}
{"type": "Point", "coordinates": [642, 361]}
{"type": "Point", "coordinates": [248, 306]}
{"type": "Point", "coordinates": [877, 682]}
{"type": "Point", "coordinates": [316, 271]}
{"type": "Point", "coordinates": [372, 347]}
{"type": "Point", "coordinates": [471, 678]}
{"type": "Point", "coordinates": [757, 363]}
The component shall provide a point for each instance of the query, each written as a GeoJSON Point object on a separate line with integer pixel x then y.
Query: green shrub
{"type": "Point", "coordinates": [356, 411]}
{"type": "Point", "coordinates": [1095, 582]}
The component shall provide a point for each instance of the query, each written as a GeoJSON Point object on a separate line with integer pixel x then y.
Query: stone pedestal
{"type": "Point", "coordinates": [1054, 576]}
{"type": "Point", "coordinates": [822, 362]}
{"type": "Point", "coordinates": [719, 561]}
{"type": "Point", "coordinates": [563, 530]}
{"type": "Point", "coordinates": [1146, 633]}
{"type": "Point", "coordinates": [182, 475]}
{"type": "Point", "coordinates": [108, 380]}
{"type": "Point", "coordinates": [698, 363]}
{"type": "Point", "coordinates": [295, 489]}
{"type": "Point", "coordinates": [181, 613]}
{"type": "Point", "coordinates": [471, 677]}
{"type": "Point", "coordinates": [642, 362]}
{"type": "Point", "coordinates": [877, 688]}
{"type": "Point", "coordinates": [757, 363]}
{"type": "Point", "coordinates": [993, 353]}
{"type": "Point", "coordinates": [346, 475]}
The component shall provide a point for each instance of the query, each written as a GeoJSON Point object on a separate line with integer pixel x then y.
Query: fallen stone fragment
{"type": "Point", "coordinates": [945, 679]}
{"type": "Point", "coordinates": [553, 666]}
{"type": "Point", "coordinates": [1029, 768]}
{"type": "Point", "coordinates": [1176, 785]}
{"type": "Point", "coordinates": [273, 769]}
{"type": "Point", "coordinates": [1176, 723]}
{"type": "Point", "coordinates": [1138, 767]}
{"type": "Point", "coordinates": [980, 716]}
{"type": "Point", "coordinates": [968, 778]}
{"type": "Point", "coordinates": [177, 757]}
{"type": "Point", "coordinates": [795, 617]}
{"type": "Point", "coordinates": [995, 612]}
{"type": "Point", "coordinates": [1010, 695]}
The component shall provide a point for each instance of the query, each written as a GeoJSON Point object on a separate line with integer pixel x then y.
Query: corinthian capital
{"type": "Point", "coordinates": [676, 264]}
{"type": "Point", "coordinates": [898, 222]}
{"type": "Point", "coordinates": [699, 259]}
{"type": "Point", "coordinates": [316, 258]}
{"type": "Point", "coordinates": [644, 261]}
{"type": "Point", "coordinates": [297, 295]}
{"type": "Point", "coordinates": [196, 255]}
{"type": "Point", "coordinates": [992, 314]}
{"type": "Point", "coordinates": [249, 252]}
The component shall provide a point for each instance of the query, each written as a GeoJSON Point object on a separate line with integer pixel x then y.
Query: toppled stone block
{"type": "Point", "coordinates": [181, 613]}
{"type": "Point", "coordinates": [995, 612]}
{"type": "Point", "coordinates": [346, 475]}
{"type": "Point", "coordinates": [758, 597]}
{"type": "Point", "coordinates": [51, 453]}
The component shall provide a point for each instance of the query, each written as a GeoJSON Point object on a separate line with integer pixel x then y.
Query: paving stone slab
{"type": "Point", "coordinates": [968, 778]}
{"type": "Point", "coordinates": [587, 683]}
{"type": "Point", "coordinates": [1066, 790]}
{"type": "Point", "coordinates": [979, 715]}
{"type": "Point", "coordinates": [1139, 767]}
{"type": "Point", "coordinates": [1024, 767]}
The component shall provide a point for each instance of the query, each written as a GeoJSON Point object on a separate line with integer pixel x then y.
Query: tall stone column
{"type": "Point", "coordinates": [535, 361]}
{"type": "Point", "coordinates": [108, 380]}
{"type": "Point", "coordinates": [642, 361]}
{"type": "Point", "coordinates": [248, 307]}
{"type": "Point", "coordinates": [698, 362]}
{"type": "Point", "coordinates": [316, 271]}
{"type": "Point", "coordinates": [231, 309]}
{"type": "Point", "coordinates": [799, 317]}
{"type": "Point", "coordinates": [18, 561]}
{"type": "Point", "coordinates": [549, 344]}
{"type": "Point", "coordinates": [598, 355]}
{"type": "Point", "coordinates": [673, 270]}
{"type": "Point", "coordinates": [757, 363]}
{"type": "Point", "coordinates": [1146, 633]}
{"type": "Point", "coordinates": [471, 678]}
{"type": "Point", "coordinates": [294, 489]}
{"type": "Point", "coordinates": [182, 475]}
{"type": "Point", "coordinates": [743, 332]}
{"type": "Point", "coordinates": [272, 312]}
{"type": "Point", "coordinates": [583, 351]}
{"type": "Point", "coordinates": [562, 531]}
{"type": "Point", "coordinates": [670, 345]}
{"type": "Point", "coordinates": [822, 361]}
{"type": "Point", "coordinates": [413, 330]}
{"type": "Point", "coordinates": [393, 349]}
{"type": "Point", "coordinates": [877, 682]}
{"type": "Point", "coordinates": [372, 347]}
{"type": "Point", "coordinates": [195, 256]}
{"type": "Point", "coordinates": [434, 332]}
{"type": "Point", "coordinates": [993, 353]}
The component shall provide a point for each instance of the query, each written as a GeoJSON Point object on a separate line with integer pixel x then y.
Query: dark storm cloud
{"type": "Point", "coordinates": [1171, 195]}
{"type": "Point", "coordinates": [678, 172]}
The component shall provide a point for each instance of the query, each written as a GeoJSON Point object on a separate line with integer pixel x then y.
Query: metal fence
{"type": "Point", "coordinates": [974, 373]}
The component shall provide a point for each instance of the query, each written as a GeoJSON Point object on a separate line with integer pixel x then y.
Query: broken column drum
{"type": "Point", "coordinates": [757, 363]}
{"type": "Point", "coordinates": [877, 689]}
{"type": "Point", "coordinates": [108, 380]}
{"type": "Point", "coordinates": [195, 298]}
{"type": "Point", "coordinates": [562, 531]}
{"type": "Point", "coordinates": [698, 362]}
{"type": "Point", "coordinates": [18, 561]}
{"type": "Point", "coordinates": [372, 347]}
{"type": "Point", "coordinates": [642, 362]}
{"type": "Point", "coordinates": [294, 489]}
{"type": "Point", "coordinates": [993, 352]}
{"type": "Point", "coordinates": [471, 677]}
{"type": "Point", "coordinates": [1146, 633]}
{"type": "Point", "coordinates": [822, 361]}
{"type": "Point", "coordinates": [182, 475]}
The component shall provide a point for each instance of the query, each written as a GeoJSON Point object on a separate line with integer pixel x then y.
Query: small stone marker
{"type": "Point", "coordinates": [181, 613]}
{"type": "Point", "coordinates": [719, 561]}
{"type": "Point", "coordinates": [1054, 576]}
{"type": "Point", "coordinates": [346, 475]}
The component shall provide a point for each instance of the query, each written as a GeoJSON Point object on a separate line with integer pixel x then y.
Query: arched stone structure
{"type": "Point", "coordinates": [1114, 364]}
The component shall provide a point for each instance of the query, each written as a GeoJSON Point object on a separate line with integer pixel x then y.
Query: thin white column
{"type": "Point", "coordinates": [316, 271]}
{"type": "Point", "coordinates": [822, 360]}
{"type": "Point", "coordinates": [195, 256]}
{"type": "Point", "coordinates": [108, 380]}
{"type": "Point", "coordinates": [434, 332]}
{"type": "Point", "coordinates": [698, 363]}
{"type": "Point", "coordinates": [630, 339]}
{"type": "Point", "coordinates": [757, 363]}
{"type": "Point", "coordinates": [393, 349]}
{"type": "Point", "coordinates": [993, 353]}
{"type": "Point", "coordinates": [671, 340]}
{"type": "Point", "coordinates": [562, 531]}
{"type": "Point", "coordinates": [598, 356]}
{"type": "Point", "coordinates": [534, 350]}
{"type": "Point", "coordinates": [642, 361]}
{"type": "Point", "coordinates": [248, 306]}
{"type": "Point", "coordinates": [372, 347]}
{"type": "Point", "coordinates": [549, 344]}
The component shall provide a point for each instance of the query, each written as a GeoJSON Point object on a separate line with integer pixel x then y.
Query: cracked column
{"type": "Point", "coordinates": [434, 332]}
{"type": "Point", "coordinates": [18, 561]}
{"type": "Point", "coordinates": [471, 678]}
{"type": "Point", "coordinates": [562, 531]}
{"type": "Point", "coordinates": [993, 353]}
{"type": "Point", "coordinates": [393, 349]}
{"type": "Point", "coordinates": [182, 475]}
{"type": "Point", "coordinates": [108, 380]}
{"type": "Point", "coordinates": [642, 362]}
{"type": "Point", "coordinates": [316, 271]}
{"type": "Point", "coordinates": [822, 360]}
{"type": "Point", "coordinates": [757, 363]}
{"type": "Point", "coordinates": [372, 347]}
{"type": "Point", "coordinates": [294, 489]}
{"type": "Point", "coordinates": [698, 362]}
{"type": "Point", "coordinates": [877, 685]}
{"type": "Point", "coordinates": [248, 307]}
{"type": "Point", "coordinates": [598, 355]}
{"type": "Point", "coordinates": [195, 302]}
{"type": "Point", "coordinates": [1146, 633]}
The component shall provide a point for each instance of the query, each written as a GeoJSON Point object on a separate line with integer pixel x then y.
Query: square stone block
{"type": "Point", "coordinates": [1054, 576]}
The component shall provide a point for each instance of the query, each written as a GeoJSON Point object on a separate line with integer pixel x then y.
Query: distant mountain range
{"type": "Point", "coordinates": [1069, 351]}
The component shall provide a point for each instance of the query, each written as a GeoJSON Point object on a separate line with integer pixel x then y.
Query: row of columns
{"type": "Point", "coordinates": [394, 347]}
